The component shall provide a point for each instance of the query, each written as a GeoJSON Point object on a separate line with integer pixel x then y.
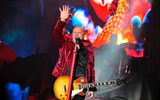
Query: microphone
{"type": "Point", "coordinates": [77, 39]}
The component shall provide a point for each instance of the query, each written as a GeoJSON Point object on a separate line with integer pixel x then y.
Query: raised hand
{"type": "Point", "coordinates": [64, 12]}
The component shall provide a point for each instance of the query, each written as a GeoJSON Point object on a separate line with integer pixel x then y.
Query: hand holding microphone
{"type": "Point", "coordinates": [78, 41]}
{"type": "Point", "coordinates": [77, 38]}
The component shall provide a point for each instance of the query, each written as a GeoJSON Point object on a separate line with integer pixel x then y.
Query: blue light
{"type": "Point", "coordinates": [14, 92]}
{"type": "Point", "coordinates": [146, 17]}
{"type": "Point", "coordinates": [136, 20]}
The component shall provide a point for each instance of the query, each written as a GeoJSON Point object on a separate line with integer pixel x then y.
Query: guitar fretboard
{"type": "Point", "coordinates": [90, 85]}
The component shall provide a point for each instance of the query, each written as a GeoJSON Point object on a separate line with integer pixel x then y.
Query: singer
{"type": "Point", "coordinates": [84, 66]}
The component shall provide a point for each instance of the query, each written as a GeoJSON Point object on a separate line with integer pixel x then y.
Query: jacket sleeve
{"type": "Point", "coordinates": [58, 33]}
{"type": "Point", "coordinates": [92, 71]}
{"type": "Point", "coordinates": [92, 68]}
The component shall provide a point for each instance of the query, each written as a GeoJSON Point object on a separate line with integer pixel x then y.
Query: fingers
{"type": "Point", "coordinates": [64, 8]}
{"type": "Point", "coordinates": [64, 12]}
{"type": "Point", "coordinates": [60, 9]}
{"type": "Point", "coordinates": [90, 94]}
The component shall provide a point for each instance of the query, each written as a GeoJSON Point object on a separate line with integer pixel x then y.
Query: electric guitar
{"type": "Point", "coordinates": [60, 86]}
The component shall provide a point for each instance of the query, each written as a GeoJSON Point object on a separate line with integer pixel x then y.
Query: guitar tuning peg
{"type": "Point", "coordinates": [118, 81]}
{"type": "Point", "coordinates": [121, 81]}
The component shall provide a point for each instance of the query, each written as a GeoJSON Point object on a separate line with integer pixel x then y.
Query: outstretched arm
{"type": "Point", "coordinates": [58, 32]}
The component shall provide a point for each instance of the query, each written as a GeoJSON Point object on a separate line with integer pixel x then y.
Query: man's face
{"type": "Point", "coordinates": [77, 32]}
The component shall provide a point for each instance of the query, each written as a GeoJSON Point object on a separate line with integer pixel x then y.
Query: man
{"type": "Point", "coordinates": [84, 66]}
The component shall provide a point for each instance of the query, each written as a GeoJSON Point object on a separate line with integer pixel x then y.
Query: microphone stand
{"type": "Point", "coordinates": [72, 72]}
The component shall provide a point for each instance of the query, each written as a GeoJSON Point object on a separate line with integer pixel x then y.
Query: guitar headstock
{"type": "Point", "coordinates": [121, 81]}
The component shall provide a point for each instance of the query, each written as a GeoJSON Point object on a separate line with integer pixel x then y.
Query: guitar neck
{"type": "Point", "coordinates": [91, 85]}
